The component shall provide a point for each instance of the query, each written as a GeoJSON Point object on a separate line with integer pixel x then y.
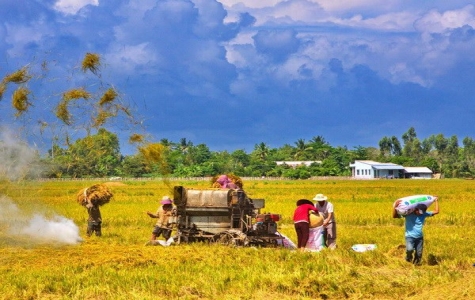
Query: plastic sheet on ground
{"type": "Point", "coordinates": [286, 242]}
{"type": "Point", "coordinates": [161, 242]}
{"type": "Point", "coordinates": [363, 247]}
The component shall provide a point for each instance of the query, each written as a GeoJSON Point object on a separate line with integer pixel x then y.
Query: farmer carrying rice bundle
{"type": "Point", "coordinates": [91, 198]}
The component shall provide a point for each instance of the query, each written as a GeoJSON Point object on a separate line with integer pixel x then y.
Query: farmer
{"type": "Point", "coordinates": [302, 223]}
{"type": "Point", "coordinates": [226, 183]}
{"type": "Point", "coordinates": [163, 226]}
{"type": "Point", "coordinates": [325, 209]}
{"type": "Point", "coordinates": [94, 221]}
{"type": "Point", "coordinates": [414, 223]}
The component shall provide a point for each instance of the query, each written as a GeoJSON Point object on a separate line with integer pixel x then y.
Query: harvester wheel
{"type": "Point", "coordinates": [232, 237]}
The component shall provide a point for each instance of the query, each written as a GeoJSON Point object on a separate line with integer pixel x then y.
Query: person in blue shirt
{"type": "Point", "coordinates": [414, 223]}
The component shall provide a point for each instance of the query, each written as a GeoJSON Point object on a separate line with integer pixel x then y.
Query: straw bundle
{"type": "Point", "coordinates": [215, 185]}
{"type": "Point", "coordinates": [315, 220]}
{"type": "Point", "coordinates": [153, 153]}
{"type": "Point", "coordinates": [98, 194]}
{"type": "Point", "coordinates": [127, 111]}
{"type": "Point", "coordinates": [234, 179]}
{"type": "Point", "coordinates": [101, 118]}
{"type": "Point", "coordinates": [20, 76]}
{"type": "Point", "coordinates": [3, 88]}
{"type": "Point", "coordinates": [62, 109]}
{"type": "Point", "coordinates": [136, 138]}
{"type": "Point", "coordinates": [62, 112]}
{"type": "Point", "coordinates": [91, 62]}
{"type": "Point", "coordinates": [108, 97]}
{"type": "Point", "coordinates": [20, 100]}
{"type": "Point", "coordinates": [76, 94]}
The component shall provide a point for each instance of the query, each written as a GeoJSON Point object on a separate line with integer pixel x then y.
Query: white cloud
{"type": "Point", "coordinates": [397, 21]}
{"type": "Point", "coordinates": [310, 13]}
{"type": "Point", "coordinates": [294, 11]}
{"type": "Point", "coordinates": [73, 6]}
{"type": "Point", "coordinates": [251, 3]}
{"type": "Point", "coordinates": [436, 22]}
{"type": "Point", "coordinates": [18, 36]}
{"type": "Point", "coordinates": [345, 5]}
{"type": "Point", "coordinates": [125, 59]}
{"type": "Point", "coordinates": [402, 72]}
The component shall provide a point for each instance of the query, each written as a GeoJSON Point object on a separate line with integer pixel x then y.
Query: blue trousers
{"type": "Point", "coordinates": [414, 247]}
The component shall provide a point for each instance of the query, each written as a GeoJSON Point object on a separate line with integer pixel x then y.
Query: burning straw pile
{"type": "Point", "coordinates": [98, 194]}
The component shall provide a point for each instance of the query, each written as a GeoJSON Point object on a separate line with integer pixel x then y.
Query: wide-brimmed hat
{"type": "Point", "coordinates": [320, 197]}
{"type": "Point", "coordinates": [166, 200]}
{"type": "Point", "coordinates": [304, 201]}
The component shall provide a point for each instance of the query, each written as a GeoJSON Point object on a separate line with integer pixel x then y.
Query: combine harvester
{"type": "Point", "coordinates": [225, 216]}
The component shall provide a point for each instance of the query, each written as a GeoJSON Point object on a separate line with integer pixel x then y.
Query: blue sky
{"type": "Point", "coordinates": [235, 73]}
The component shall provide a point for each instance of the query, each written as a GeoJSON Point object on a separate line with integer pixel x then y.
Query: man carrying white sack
{"type": "Point", "coordinates": [414, 223]}
{"type": "Point", "coordinates": [325, 209]}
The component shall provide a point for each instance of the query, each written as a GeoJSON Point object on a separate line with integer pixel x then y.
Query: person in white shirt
{"type": "Point", "coordinates": [325, 209]}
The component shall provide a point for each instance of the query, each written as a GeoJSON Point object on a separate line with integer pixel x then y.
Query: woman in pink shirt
{"type": "Point", "coordinates": [301, 221]}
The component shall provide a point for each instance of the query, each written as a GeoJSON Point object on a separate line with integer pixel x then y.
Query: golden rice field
{"type": "Point", "coordinates": [118, 265]}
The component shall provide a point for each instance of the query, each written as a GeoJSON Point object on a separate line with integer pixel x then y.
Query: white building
{"type": "Point", "coordinates": [368, 169]}
{"type": "Point", "coordinates": [417, 173]}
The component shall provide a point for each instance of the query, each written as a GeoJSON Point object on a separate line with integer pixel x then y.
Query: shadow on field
{"type": "Point", "coordinates": [398, 251]}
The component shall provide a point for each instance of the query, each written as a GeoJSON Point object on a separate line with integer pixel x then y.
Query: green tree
{"type": "Point", "coordinates": [452, 156]}
{"type": "Point", "coordinates": [261, 151]}
{"type": "Point", "coordinates": [440, 144]}
{"type": "Point", "coordinates": [360, 153]}
{"type": "Point", "coordinates": [385, 146]}
{"type": "Point", "coordinates": [301, 150]}
{"type": "Point", "coordinates": [284, 153]}
{"type": "Point", "coordinates": [95, 155]}
{"type": "Point", "coordinates": [133, 166]}
{"type": "Point", "coordinates": [300, 172]}
{"type": "Point", "coordinates": [408, 138]}
{"type": "Point", "coordinates": [199, 154]}
{"type": "Point", "coordinates": [395, 146]}
{"type": "Point", "coordinates": [469, 154]}
{"type": "Point", "coordinates": [240, 160]}
{"type": "Point", "coordinates": [320, 148]}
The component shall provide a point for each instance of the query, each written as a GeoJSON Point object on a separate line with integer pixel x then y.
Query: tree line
{"type": "Point", "coordinates": [98, 155]}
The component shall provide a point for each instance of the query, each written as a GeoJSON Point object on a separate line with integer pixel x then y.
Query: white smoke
{"type": "Point", "coordinates": [18, 160]}
{"type": "Point", "coordinates": [58, 229]}
{"type": "Point", "coordinates": [37, 228]}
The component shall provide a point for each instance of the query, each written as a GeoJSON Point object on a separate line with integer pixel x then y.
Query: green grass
{"type": "Point", "coordinates": [119, 266]}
